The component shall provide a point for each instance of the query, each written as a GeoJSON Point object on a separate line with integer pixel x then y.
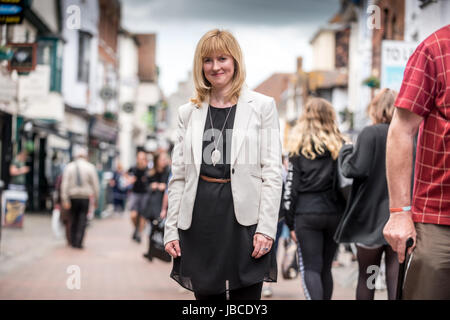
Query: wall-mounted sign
{"type": "Point", "coordinates": [24, 57]}
{"type": "Point", "coordinates": [11, 11]}
{"type": "Point", "coordinates": [394, 56]}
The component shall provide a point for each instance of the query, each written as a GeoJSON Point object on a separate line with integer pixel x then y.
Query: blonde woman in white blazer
{"type": "Point", "coordinates": [225, 190]}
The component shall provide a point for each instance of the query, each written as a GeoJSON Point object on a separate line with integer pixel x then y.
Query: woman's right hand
{"type": "Point", "coordinates": [173, 248]}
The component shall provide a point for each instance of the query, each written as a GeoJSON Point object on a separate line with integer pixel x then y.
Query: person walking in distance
{"type": "Point", "coordinates": [18, 171]}
{"type": "Point", "coordinates": [139, 177]}
{"type": "Point", "coordinates": [159, 176]}
{"type": "Point", "coordinates": [368, 209]}
{"type": "Point", "coordinates": [423, 104]}
{"type": "Point", "coordinates": [119, 186]}
{"type": "Point", "coordinates": [225, 190]}
{"type": "Point", "coordinates": [79, 183]}
{"type": "Point", "coordinates": [312, 203]}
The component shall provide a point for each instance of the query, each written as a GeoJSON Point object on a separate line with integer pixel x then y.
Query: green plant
{"type": "Point", "coordinates": [347, 116]}
{"type": "Point", "coordinates": [108, 115]}
{"type": "Point", "coordinates": [372, 82]}
{"type": "Point", "coordinates": [5, 53]}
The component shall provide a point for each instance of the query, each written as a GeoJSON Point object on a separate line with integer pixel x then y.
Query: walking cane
{"type": "Point", "coordinates": [401, 270]}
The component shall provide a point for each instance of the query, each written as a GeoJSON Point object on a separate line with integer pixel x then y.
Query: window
{"type": "Point", "coordinates": [49, 53]}
{"type": "Point", "coordinates": [84, 49]}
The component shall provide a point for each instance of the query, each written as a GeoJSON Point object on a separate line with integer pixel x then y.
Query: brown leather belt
{"type": "Point", "coordinates": [209, 179]}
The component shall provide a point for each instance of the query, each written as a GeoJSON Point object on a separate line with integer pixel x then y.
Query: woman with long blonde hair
{"type": "Point", "coordinates": [225, 190]}
{"type": "Point", "coordinates": [312, 203]}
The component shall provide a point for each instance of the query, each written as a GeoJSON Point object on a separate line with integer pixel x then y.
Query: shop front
{"type": "Point", "coordinates": [48, 151]}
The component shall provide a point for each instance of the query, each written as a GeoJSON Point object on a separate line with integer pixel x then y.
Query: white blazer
{"type": "Point", "coordinates": [256, 174]}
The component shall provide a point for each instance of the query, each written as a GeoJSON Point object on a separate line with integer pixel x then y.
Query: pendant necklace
{"type": "Point", "coordinates": [216, 155]}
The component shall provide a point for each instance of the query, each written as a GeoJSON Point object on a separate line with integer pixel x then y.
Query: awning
{"type": "Point", "coordinates": [104, 130]}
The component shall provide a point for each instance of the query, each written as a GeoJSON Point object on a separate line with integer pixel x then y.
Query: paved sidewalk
{"type": "Point", "coordinates": [19, 246]}
{"type": "Point", "coordinates": [33, 265]}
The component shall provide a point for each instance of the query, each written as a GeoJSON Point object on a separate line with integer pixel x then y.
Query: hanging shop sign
{"type": "Point", "coordinates": [24, 57]}
{"type": "Point", "coordinates": [128, 107]}
{"type": "Point", "coordinates": [107, 94]}
{"type": "Point", "coordinates": [11, 11]}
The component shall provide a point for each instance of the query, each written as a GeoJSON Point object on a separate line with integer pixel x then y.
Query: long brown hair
{"type": "Point", "coordinates": [316, 131]}
{"type": "Point", "coordinates": [219, 41]}
{"type": "Point", "coordinates": [381, 108]}
{"type": "Point", "coordinates": [156, 158]}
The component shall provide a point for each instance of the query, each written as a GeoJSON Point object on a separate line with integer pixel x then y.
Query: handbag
{"type": "Point", "coordinates": [157, 249]}
{"type": "Point", "coordinates": [289, 264]}
{"type": "Point", "coordinates": [154, 205]}
{"type": "Point", "coordinates": [57, 224]}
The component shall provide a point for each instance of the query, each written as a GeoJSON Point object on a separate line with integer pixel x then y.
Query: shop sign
{"type": "Point", "coordinates": [394, 56]}
{"type": "Point", "coordinates": [107, 94]}
{"type": "Point", "coordinates": [13, 208]}
{"type": "Point", "coordinates": [128, 107]}
{"type": "Point", "coordinates": [11, 11]}
{"type": "Point", "coordinates": [24, 57]}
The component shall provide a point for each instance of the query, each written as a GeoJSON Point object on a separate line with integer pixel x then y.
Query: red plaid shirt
{"type": "Point", "coordinates": [426, 91]}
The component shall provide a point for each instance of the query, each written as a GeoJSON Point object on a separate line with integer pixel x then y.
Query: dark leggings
{"type": "Point", "coordinates": [370, 257]}
{"type": "Point", "coordinates": [252, 292]}
{"type": "Point", "coordinates": [316, 252]}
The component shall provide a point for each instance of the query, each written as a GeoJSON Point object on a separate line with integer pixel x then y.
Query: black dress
{"type": "Point", "coordinates": [216, 250]}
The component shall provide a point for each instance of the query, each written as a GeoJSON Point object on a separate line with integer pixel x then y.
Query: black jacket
{"type": "Point", "coordinates": [310, 187]}
{"type": "Point", "coordinates": [368, 207]}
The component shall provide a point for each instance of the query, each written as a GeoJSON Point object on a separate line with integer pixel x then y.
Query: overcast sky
{"type": "Point", "coordinates": [272, 33]}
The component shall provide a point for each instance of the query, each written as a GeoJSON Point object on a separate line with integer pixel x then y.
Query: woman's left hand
{"type": "Point", "coordinates": [261, 244]}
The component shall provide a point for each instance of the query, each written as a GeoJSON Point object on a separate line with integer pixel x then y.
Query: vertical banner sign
{"type": "Point", "coordinates": [11, 11]}
{"type": "Point", "coordinates": [394, 57]}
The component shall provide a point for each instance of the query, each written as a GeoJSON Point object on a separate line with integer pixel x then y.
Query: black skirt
{"type": "Point", "coordinates": [216, 250]}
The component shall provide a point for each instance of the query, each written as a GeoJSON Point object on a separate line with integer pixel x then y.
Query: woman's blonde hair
{"type": "Point", "coordinates": [316, 131]}
{"type": "Point", "coordinates": [217, 41]}
{"type": "Point", "coordinates": [381, 108]}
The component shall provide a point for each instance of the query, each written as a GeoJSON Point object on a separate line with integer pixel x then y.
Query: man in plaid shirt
{"type": "Point", "coordinates": [423, 104]}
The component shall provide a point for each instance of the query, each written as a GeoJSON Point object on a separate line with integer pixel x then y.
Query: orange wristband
{"type": "Point", "coordinates": [402, 209]}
